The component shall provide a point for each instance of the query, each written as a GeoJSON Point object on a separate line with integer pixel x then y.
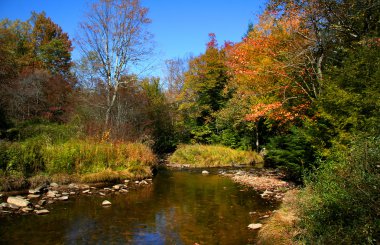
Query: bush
{"type": "Point", "coordinates": [292, 152]}
{"type": "Point", "coordinates": [340, 203]}
{"type": "Point", "coordinates": [212, 156]}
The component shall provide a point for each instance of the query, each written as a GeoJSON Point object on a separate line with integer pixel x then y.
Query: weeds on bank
{"type": "Point", "coordinates": [212, 156]}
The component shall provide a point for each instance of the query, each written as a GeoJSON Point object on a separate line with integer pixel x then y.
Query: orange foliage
{"type": "Point", "coordinates": [270, 63]}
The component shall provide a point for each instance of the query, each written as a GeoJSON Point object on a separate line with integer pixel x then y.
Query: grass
{"type": "Point", "coordinates": [282, 227]}
{"type": "Point", "coordinates": [212, 156]}
{"type": "Point", "coordinates": [55, 153]}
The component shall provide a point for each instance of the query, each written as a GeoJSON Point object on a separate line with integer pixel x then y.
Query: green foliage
{"type": "Point", "coordinates": [292, 152]}
{"type": "Point", "coordinates": [203, 94]}
{"type": "Point", "coordinates": [340, 203]}
{"type": "Point", "coordinates": [212, 156]}
{"type": "Point", "coordinates": [351, 99]}
{"type": "Point", "coordinates": [159, 113]}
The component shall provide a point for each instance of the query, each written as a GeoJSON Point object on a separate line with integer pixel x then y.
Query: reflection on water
{"type": "Point", "coordinates": [179, 208]}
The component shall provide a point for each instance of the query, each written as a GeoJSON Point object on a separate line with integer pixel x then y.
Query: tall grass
{"type": "Point", "coordinates": [57, 150]}
{"type": "Point", "coordinates": [212, 156]}
{"type": "Point", "coordinates": [89, 156]}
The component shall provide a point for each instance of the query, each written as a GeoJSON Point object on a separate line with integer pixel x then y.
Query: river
{"type": "Point", "coordinates": [180, 207]}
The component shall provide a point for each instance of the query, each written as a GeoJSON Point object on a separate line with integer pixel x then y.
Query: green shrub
{"type": "Point", "coordinates": [340, 203]}
{"type": "Point", "coordinates": [212, 156]}
{"type": "Point", "coordinates": [292, 152]}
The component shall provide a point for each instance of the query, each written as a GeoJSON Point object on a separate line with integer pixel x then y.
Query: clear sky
{"type": "Point", "coordinates": [180, 27]}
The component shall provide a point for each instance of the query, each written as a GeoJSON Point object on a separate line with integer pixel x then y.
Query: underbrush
{"type": "Point", "coordinates": [340, 204]}
{"type": "Point", "coordinates": [212, 156]}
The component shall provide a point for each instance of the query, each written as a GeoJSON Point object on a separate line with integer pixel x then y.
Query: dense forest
{"type": "Point", "coordinates": [301, 87]}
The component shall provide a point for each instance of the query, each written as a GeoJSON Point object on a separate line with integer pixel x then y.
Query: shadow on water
{"type": "Point", "coordinates": [181, 207]}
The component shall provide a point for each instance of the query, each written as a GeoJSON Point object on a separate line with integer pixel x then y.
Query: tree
{"type": "Point", "coordinates": [35, 73]}
{"type": "Point", "coordinates": [204, 91]}
{"type": "Point", "coordinates": [271, 69]}
{"type": "Point", "coordinates": [114, 37]}
{"type": "Point", "coordinates": [51, 46]}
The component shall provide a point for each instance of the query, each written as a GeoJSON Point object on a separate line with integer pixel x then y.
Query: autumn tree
{"type": "Point", "coordinates": [114, 37]}
{"type": "Point", "coordinates": [36, 78]}
{"type": "Point", "coordinates": [271, 68]}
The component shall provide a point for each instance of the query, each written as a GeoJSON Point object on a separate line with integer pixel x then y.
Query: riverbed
{"type": "Point", "coordinates": [179, 207]}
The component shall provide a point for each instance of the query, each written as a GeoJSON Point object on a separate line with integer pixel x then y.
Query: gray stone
{"type": "Point", "coordinates": [41, 202]}
{"type": "Point", "coordinates": [102, 194]}
{"type": "Point", "coordinates": [136, 182]}
{"type": "Point", "coordinates": [117, 187]}
{"type": "Point", "coordinates": [205, 172]}
{"type": "Point", "coordinates": [73, 186]}
{"type": "Point", "coordinates": [106, 203]}
{"type": "Point", "coordinates": [65, 194]}
{"type": "Point", "coordinates": [124, 190]}
{"type": "Point", "coordinates": [54, 185]}
{"type": "Point", "coordinates": [27, 209]}
{"type": "Point", "coordinates": [143, 182]}
{"type": "Point", "coordinates": [33, 196]}
{"type": "Point", "coordinates": [72, 193]}
{"type": "Point", "coordinates": [255, 226]}
{"type": "Point", "coordinates": [4, 205]}
{"type": "Point", "coordinates": [41, 212]}
{"type": "Point", "coordinates": [12, 206]}
{"type": "Point", "coordinates": [86, 191]}
{"type": "Point", "coordinates": [51, 194]}
{"type": "Point", "coordinates": [63, 198]}
{"type": "Point", "coordinates": [38, 190]}
{"type": "Point", "coordinates": [126, 181]}
{"type": "Point", "coordinates": [20, 202]}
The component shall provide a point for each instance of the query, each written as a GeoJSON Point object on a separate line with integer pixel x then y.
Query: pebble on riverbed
{"type": "Point", "coordinates": [106, 203]}
{"type": "Point", "coordinates": [46, 194]}
{"type": "Point", "coordinates": [255, 226]}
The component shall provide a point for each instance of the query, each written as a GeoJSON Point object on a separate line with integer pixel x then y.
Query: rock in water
{"type": "Point", "coordinates": [106, 203]}
{"type": "Point", "coordinates": [63, 198]}
{"type": "Point", "coordinates": [32, 196]}
{"type": "Point", "coordinates": [51, 194]}
{"type": "Point", "coordinates": [18, 201]}
{"type": "Point", "coordinates": [255, 226]}
{"type": "Point", "coordinates": [41, 212]}
{"type": "Point", "coordinates": [205, 172]}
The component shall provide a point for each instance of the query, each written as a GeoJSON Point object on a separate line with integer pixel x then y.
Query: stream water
{"type": "Point", "coordinates": [180, 207]}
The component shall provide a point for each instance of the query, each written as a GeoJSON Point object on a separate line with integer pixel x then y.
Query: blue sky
{"type": "Point", "coordinates": [180, 27]}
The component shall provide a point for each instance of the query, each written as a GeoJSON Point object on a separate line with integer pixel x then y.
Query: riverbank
{"type": "Point", "coordinates": [37, 200]}
{"type": "Point", "coordinates": [269, 182]}
{"type": "Point", "coordinates": [279, 226]}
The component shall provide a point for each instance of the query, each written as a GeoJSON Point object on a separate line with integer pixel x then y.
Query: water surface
{"type": "Point", "coordinates": [180, 207]}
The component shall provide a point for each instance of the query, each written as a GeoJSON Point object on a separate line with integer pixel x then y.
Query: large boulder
{"type": "Point", "coordinates": [20, 202]}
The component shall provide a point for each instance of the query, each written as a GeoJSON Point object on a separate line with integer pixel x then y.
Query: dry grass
{"type": "Point", "coordinates": [212, 156]}
{"type": "Point", "coordinates": [109, 175]}
{"type": "Point", "coordinates": [281, 228]}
